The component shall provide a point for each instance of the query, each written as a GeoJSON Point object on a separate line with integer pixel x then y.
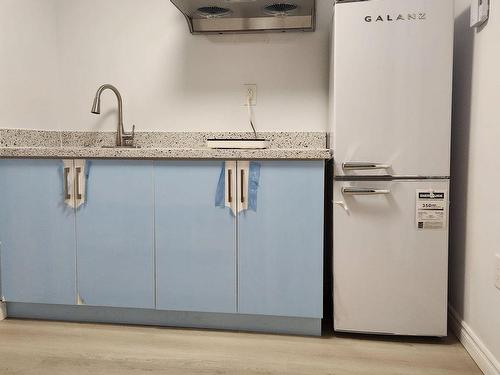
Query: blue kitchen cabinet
{"type": "Point", "coordinates": [151, 235]}
{"type": "Point", "coordinates": [37, 233]}
{"type": "Point", "coordinates": [280, 245]}
{"type": "Point", "coordinates": [115, 235]}
{"type": "Point", "coordinates": [195, 240]}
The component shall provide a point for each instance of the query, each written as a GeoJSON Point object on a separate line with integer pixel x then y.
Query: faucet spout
{"type": "Point", "coordinates": [122, 138]}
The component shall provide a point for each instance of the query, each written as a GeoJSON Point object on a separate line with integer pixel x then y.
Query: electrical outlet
{"type": "Point", "coordinates": [250, 93]}
{"type": "Point", "coordinates": [497, 272]}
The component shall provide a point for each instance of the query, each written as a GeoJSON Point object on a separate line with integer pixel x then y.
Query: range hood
{"type": "Point", "coordinates": [247, 16]}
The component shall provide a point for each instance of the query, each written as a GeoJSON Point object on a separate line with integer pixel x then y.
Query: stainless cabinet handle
{"type": "Point", "coordinates": [353, 166]}
{"type": "Point", "coordinates": [77, 182]}
{"type": "Point", "coordinates": [242, 186]}
{"type": "Point", "coordinates": [365, 191]}
{"type": "Point", "coordinates": [229, 185]}
{"type": "Point", "coordinates": [67, 194]}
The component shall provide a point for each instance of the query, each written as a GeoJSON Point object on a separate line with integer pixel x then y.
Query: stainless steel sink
{"type": "Point", "coordinates": [257, 144]}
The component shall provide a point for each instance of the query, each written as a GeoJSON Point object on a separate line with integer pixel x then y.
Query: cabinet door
{"type": "Point", "coordinates": [115, 246]}
{"type": "Point", "coordinates": [37, 233]}
{"type": "Point", "coordinates": [195, 240]}
{"type": "Point", "coordinates": [280, 249]}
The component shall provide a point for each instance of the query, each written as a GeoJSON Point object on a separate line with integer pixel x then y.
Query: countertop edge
{"type": "Point", "coordinates": [163, 153]}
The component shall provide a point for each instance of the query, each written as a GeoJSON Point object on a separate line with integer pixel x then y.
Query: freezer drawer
{"type": "Point", "coordinates": [392, 86]}
{"type": "Point", "coordinates": [390, 275]}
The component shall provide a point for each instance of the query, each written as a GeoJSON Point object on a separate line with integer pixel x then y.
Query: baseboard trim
{"type": "Point", "coordinates": [3, 311]}
{"type": "Point", "coordinates": [117, 315]}
{"type": "Point", "coordinates": [488, 364]}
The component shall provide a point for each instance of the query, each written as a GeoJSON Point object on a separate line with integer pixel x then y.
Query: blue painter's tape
{"type": "Point", "coordinates": [253, 185]}
{"type": "Point", "coordinates": [88, 163]}
{"type": "Point", "coordinates": [221, 187]}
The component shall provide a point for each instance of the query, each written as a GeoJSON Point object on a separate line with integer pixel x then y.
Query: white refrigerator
{"type": "Point", "coordinates": [391, 85]}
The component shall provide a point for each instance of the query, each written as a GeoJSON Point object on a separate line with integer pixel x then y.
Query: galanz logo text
{"type": "Point", "coordinates": [397, 17]}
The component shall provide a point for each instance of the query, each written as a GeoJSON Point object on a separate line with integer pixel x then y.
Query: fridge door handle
{"type": "Point", "coordinates": [365, 191]}
{"type": "Point", "coordinates": [353, 166]}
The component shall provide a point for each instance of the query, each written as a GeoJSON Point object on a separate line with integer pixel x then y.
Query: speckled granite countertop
{"type": "Point", "coordinates": [16, 143]}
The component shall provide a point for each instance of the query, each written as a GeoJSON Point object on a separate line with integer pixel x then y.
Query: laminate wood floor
{"type": "Point", "coordinates": [40, 347]}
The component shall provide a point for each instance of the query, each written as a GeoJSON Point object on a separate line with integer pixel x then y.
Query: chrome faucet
{"type": "Point", "coordinates": [123, 139]}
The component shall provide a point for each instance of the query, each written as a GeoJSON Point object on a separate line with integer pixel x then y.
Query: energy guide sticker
{"type": "Point", "coordinates": [432, 209]}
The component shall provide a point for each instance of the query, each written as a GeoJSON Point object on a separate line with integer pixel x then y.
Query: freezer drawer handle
{"type": "Point", "coordinates": [365, 191]}
{"type": "Point", "coordinates": [353, 166]}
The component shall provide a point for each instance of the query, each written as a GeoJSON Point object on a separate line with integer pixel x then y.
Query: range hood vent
{"type": "Point", "coordinates": [213, 12]}
{"type": "Point", "coordinates": [247, 16]}
{"type": "Point", "coordinates": [280, 9]}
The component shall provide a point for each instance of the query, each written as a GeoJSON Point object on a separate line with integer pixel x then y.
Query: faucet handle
{"type": "Point", "coordinates": [129, 135]}
{"type": "Point", "coordinates": [128, 138]}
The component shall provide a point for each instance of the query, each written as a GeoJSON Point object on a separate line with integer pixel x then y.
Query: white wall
{"type": "Point", "coordinates": [28, 64]}
{"type": "Point", "coordinates": [170, 79]}
{"type": "Point", "coordinates": [476, 176]}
